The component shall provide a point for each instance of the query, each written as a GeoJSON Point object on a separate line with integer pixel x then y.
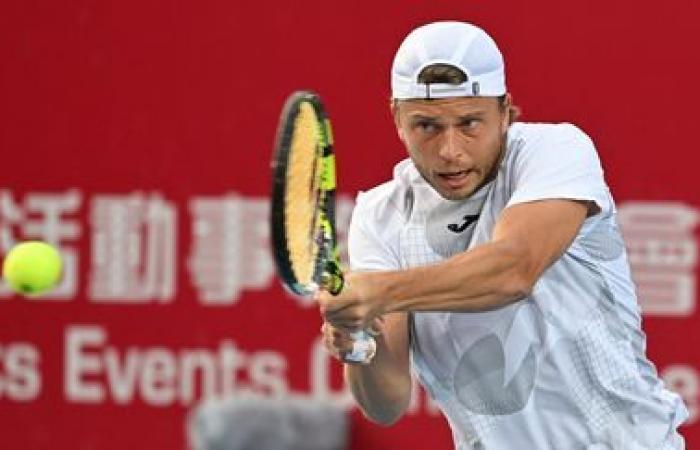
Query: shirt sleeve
{"type": "Point", "coordinates": [562, 164]}
{"type": "Point", "coordinates": [370, 242]}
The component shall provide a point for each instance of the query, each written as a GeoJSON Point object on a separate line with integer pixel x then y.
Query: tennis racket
{"type": "Point", "coordinates": [303, 207]}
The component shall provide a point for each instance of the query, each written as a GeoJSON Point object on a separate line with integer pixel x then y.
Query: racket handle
{"type": "Point", "coordinates": [363, 348]}
{"type": "Point", "coordinates": [332, 279]}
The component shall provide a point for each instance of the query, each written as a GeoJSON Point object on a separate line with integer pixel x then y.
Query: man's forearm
{"type": "Point", "coordinates": [381, 388]}
{"type": "Point", "coordinates": [487, 277]}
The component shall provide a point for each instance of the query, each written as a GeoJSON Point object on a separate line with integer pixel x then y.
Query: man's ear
{"type": "Point", "coordinates": [397, 120]}
{"type": "Point", "coordinates": [507, 104]}
{"type": "Point", "coordinates": [399, 131]}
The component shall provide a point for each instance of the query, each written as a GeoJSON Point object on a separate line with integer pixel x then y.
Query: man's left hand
{"type": "Point", "coordinates": [355, 307]}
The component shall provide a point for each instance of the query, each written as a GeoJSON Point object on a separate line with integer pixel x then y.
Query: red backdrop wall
{"type": "Point", "coordinates": [137, 135]}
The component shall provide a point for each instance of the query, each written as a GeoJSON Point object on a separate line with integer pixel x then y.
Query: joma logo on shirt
{"type": "Point", "coordinates": [468, 220]}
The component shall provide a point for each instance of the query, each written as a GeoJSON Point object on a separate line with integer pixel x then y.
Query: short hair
{"type": "Point", "coordinates": [449, 74]}
{"type": "Point", "coordinates": [442, 73]}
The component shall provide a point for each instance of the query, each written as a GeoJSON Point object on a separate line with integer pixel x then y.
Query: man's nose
{"type": "Point", "coordinates": [451, 147]}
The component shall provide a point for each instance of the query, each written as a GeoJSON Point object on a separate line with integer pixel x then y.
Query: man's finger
{"type": "Point", "coordinates": [376, 328]}
{"type": "Point", "coordinates": [330, 303]}
{"type": "Point", "coordinates": [346, 324]}
{"type": "Point", "coordinates": [334, 307]}
{"type": "Point", "coordinates": [338, 347]}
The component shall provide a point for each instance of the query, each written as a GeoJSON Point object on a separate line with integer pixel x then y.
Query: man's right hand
{"type": "Point", "coordinates": [338, 341]}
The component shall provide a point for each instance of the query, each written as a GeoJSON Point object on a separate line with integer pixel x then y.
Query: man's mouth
{"type": "Point", "coordinates": [454, 179]}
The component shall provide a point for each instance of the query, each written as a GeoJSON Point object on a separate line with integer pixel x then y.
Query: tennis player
{"type": "Point", "coordinates": [493, 266]}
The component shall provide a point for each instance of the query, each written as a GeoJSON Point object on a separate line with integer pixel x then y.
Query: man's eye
{"type": "Point", "coordinates": [426, 127]}
{"type": "Point", "coordinates": [470, 124]}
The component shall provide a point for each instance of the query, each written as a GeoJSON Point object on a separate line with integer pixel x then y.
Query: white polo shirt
{"type": "Point", "coordinates": [564, 368]}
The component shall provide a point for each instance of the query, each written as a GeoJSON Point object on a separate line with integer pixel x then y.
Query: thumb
{"type": "Point", "coordinates": [377, 326]}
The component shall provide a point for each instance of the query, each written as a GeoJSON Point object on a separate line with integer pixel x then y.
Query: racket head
{"type": "Point", "coordinates": [302, 219]}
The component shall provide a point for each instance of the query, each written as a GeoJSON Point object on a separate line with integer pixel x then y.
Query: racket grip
{"type": "Point", "coordinates": [363, 348]}
{"type": "Point", "coordinates": [332, 279]}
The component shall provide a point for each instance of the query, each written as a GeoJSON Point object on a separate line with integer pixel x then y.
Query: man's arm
{"type": "Point", "coordinates": [381, 388]}
{"type": "Point", "coordinates": [527, 239]}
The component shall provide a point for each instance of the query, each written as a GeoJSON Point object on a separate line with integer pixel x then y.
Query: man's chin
{"type": "Point", "coordinates": [451, 193]}
{"type": "Point", "coordinates": [454, 194]}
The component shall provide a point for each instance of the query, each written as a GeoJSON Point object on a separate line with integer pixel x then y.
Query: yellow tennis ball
{"type": "Point", "coordinates": [32, 267]}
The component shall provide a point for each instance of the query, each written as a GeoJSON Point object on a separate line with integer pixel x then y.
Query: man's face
{"type": "Point", "coordinates": [455, 143]}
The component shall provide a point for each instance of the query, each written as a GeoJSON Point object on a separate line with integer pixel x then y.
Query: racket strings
{"type": "Point", "coordinates": [304, 194]}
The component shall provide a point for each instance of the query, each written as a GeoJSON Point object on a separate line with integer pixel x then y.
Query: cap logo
{"type": "Point", "coordinates": [447, 86]}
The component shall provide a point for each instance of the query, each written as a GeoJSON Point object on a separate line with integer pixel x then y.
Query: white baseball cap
{"type": "Point", "coordinates": [459, 44]}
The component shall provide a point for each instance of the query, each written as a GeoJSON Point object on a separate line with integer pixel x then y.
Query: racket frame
{"type": "Point", "coordinates": [327, 274]}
